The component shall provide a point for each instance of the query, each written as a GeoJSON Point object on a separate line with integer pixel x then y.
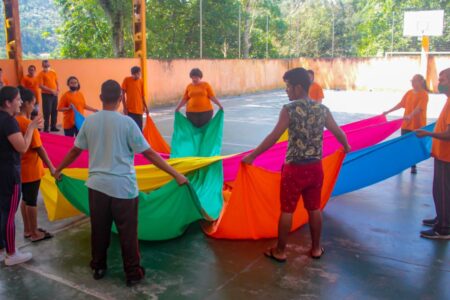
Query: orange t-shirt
{"type": "Point", "coordinates": [316, 92]}
{"type": "Point", "coordinates": [134, 90]}
{"type": "Point", "coordinates": [198, 97]}
{"type": "Point", "coordinates": [4, 81]}
{"type": "Point", "coordinates": [48, 79]}
{"type": "Point", "coordinates": [440, 148]}
{"type": "Point", "coordinates": [77, 99]}
{"type": "Point", "coordinates": [31, 163]}
{"type": "Point", "coordinates": [32, 83]}
{"type": "Point", "coordinates": [409, 102]}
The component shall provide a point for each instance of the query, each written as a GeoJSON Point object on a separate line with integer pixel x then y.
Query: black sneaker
{"type": "Point", "coordinates": [133, 282]}
{"type": "Point", "coordinates": [54, 129]}
{"type": "Point", "coordinates": [429, 222]}
{"type": "Point", "coordinates": [413, 170]}
{"type": "Point", "coordinates": [98, 273]}
{"type": "Point", "coordinates": [432, 234]}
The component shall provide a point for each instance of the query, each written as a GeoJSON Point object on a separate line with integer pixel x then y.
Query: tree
{"type": "Point", "coordinates": [375, 26]}
{"type": "Point", "coordinates": [39, 20]}
{"type": "Point", "coordinates": [249, 18]}
{"type": "Point", "coordinates": [87, 31]}
{"type": "Point", "coordinates": [268, 11]}
{"type": "Point", "coordinates": [118, 12]}
{"type": "Point", "coordinates": [102, 28]}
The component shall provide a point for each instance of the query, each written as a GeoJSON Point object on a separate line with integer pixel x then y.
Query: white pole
{"type": "Point", "coordinates": [332, 38]}
{"type": "Point", "coordinates": [290, 37]}
{"type": "Point", "coordinates": [392, 33]}
{"type": "Point", "coordinates": [267, 36]}
{"type": "Point", "coordinates": [239, 33]}
{"type": "Point", "coordinates": [201, 29]}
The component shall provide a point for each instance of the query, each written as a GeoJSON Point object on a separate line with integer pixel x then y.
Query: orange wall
{"type": "Point", "coordinates": [392, 73]}
{"type": "Point", "coordinates": [168, 78]}
{"type": "Point", "coordinates": [91, 73]}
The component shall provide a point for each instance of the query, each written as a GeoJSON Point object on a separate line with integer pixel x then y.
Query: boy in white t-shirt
{"type": "Point", "coordinates": [112, 140]}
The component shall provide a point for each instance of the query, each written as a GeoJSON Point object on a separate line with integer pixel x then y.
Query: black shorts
{"type": "Point", "coordinates": [30, 192]}
{"type": "Point", "coordinates": [199, 119]}
{"type": "Point", "coordinates": [138, 118]}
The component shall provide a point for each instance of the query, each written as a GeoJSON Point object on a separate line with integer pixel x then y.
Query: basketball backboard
{"type": "Point", "coordinates": [423, 23]}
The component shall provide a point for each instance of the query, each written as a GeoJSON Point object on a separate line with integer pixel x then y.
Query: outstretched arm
{"type": "Point", "coordinates": [157, 160]}
{"type": "Point", "coordinates": [90, 108]}
{"type": "Point", "coordinates": [181, 104]}
{"type": "Point", "coordinates": [68, 159]}
{"type": "Point", "coordinates": [398, 106]}
{"type": "Point", "coordinates": [44, 156]}
{"type": "Point", "coordinates": [416, 111]}
{"type": "Point", "coordinates": [271, 139]}
{"type": "Point", "coordinates": [444, 136]}
{"type": "Point", "coordinates": [332, 126]}
{"type": "Point", "coordinates": [217, 102]}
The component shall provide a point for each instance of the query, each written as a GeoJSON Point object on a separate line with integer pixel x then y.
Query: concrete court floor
{"type": "Point", "coordinates": [371, 237]}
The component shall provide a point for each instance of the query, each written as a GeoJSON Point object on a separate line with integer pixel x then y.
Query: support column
{"type": "Point", "coordinates": [12, 30]}
{"type": "Point", "coordinates": [424, 59]}
{"type": "Point", "coordinates": [140, 39]}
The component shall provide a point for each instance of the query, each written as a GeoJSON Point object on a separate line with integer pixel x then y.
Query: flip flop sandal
{"type": "Point", "coordinates": [47, 235]}
{"type": "Point", "coordinates": [270, 255]}
{"type": "Point", "coordinates": [46, 232]}
{"type": "Point", "coordinates": [318, 256]}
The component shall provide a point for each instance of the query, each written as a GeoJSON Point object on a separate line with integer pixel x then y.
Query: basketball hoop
{"type": "Point", "coordinates": [423, 23]}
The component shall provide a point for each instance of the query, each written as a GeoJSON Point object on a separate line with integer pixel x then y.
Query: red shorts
{"type": "Point", "coordinates": [301, 180]}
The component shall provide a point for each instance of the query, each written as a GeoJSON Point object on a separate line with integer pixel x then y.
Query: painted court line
{"type": "Point", "coordinates": [65, 282]}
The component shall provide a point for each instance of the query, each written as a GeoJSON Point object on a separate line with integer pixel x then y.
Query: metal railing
{"type": "Point", "coordinates": [392, 53]}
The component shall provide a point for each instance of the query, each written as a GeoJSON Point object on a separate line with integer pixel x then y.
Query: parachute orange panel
{"type": "Point", "coordinates": [252, 202]}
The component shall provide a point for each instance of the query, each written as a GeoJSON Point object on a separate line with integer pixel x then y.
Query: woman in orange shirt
{"type": "Point", "coordinates": [70, 100]}
{"type": "Point", "coordinates": [415, 103]}
{"type": "Point", "coordinates": [32, 170]}
{"type": "Point", "coordinates": [198, 96]}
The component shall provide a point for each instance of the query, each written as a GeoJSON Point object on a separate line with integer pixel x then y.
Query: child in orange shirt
{"type": "Point", "coordinates": [31, 82]}
{"type": "Point", "coordinates": [70, 100]}
{"type": "Point", "coordinates": [415, 103]}
{"type": "Point", "coordinates": [315, 90]}
{"type": "Point", "coordinates": [48, 83]}
{"type": "Point", "coordinates": [198, 96]}
{"type": "Point", "coordinates": [133, 99]}
{"type": "Point", "coordinates": [32, 170]}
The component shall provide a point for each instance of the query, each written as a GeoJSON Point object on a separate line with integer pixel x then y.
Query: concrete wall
{"type": "Point", "coordinates": [168, 78]}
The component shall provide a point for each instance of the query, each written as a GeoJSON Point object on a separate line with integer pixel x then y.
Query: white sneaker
{"type": "Point", "coordinates": [17, 258]}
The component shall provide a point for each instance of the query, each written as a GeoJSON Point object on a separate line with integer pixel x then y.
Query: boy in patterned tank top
{"type": "Point", "coordinates": [302, 173]}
